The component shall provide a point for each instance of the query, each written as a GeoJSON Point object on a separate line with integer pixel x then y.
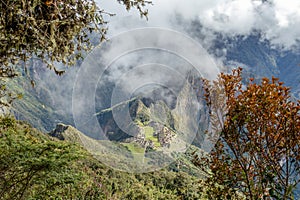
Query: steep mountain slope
{"type": "Point", "coordinates": [188, 119]}
{"type": "Point", "coordinates": [127, 150]}
{"type": "Point", "coordinates": [37, 166]}
{"type": "Point", "coordinates": [149, 134]}
{"type": "Point", "coordinates": [259, 60]}
{"type": "Point", "coordinates": [50, 103]}
{"type": "Point", "coordinates": [36, 105]}
{"type": "Point", "coordinates": [289, 66]}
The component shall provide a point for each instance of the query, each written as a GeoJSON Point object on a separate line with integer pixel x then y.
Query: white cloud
{"type": "Point", "coordinates": [278, 20]}
{"type": "Point", "coordinates": [231, 17]}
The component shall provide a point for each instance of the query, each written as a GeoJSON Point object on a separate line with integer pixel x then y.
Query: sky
{"type": "Point", "coordinates": [277, 20]}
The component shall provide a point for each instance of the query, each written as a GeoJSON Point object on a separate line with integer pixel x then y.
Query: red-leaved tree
{"type": "Point", "coordinates": [257, 150]}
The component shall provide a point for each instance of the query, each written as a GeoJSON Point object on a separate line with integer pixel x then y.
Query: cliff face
{"type": "Point", "coordinates": [190, 112]}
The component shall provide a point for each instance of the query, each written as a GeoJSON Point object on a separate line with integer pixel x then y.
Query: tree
{"type": "Point", "coordinates": [6, 97]}
{"type": "Point", "coordinates": [257, 151]}
{"type": "Point", "coordinates": [51, 30]}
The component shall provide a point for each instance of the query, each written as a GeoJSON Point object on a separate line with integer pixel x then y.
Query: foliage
{"type": "Point", "coordinates": [139, 4]}
{"type": "Point", "coordinates": [257, 152]}
{"type": "Point", "coordinates": [6, 97]}
{"type": "Point", "coordinates": [33, 166]}
{"type": "Point", "coordinates": [51, 30]}
{"type": "Point", "coordinates": [36, 166]}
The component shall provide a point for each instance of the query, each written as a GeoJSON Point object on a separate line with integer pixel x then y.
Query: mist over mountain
{"type": "Point", "coordinates": [230, 43]}
{"type": "Point", "coordinates": [257, 58]}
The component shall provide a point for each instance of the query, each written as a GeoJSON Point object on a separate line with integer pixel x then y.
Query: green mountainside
{"type": "Point", "coordinates": [155, 134]}
{"type": "Point", "coordinates": [36, 105]}
{"type": "Point", "coordinates": [153, 124]}
{"type": "Point", "coordinates": [67, 163]}
{"type": "Point", "coordinates": [39, 166]}
{"type": "Point", "coordinates": [131, 151]}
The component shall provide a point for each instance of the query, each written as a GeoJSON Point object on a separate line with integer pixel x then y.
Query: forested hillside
{"type": "Point", "coordinates": [195, 99]}
{"type": "Point", "coordinates": [37, 166]}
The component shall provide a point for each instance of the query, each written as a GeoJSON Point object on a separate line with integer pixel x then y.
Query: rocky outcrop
{"type": "Point", "coordinates": [67, 132]}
